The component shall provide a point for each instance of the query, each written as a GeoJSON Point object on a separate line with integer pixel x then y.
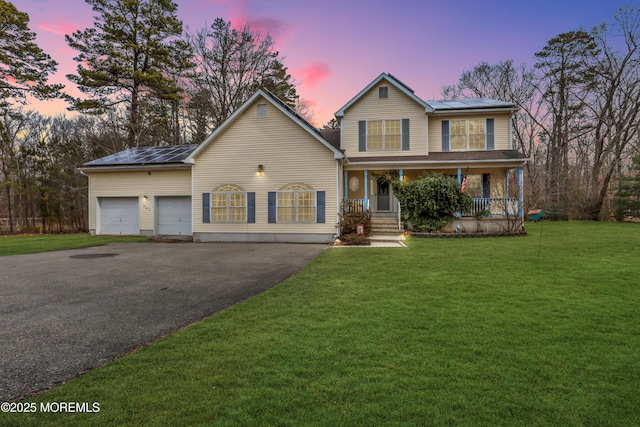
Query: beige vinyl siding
{"type": "Point", "coordinates": [396, 107]}
{"type": "Point", "coordinates": [288, 153]}
{"type": "Point", "coordinates": [137, 184]}
{"type": "Point", "coordinates": [500, 122]}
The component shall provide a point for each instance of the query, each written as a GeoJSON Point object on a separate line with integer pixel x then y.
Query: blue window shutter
{"type": "Point", "coordinates": [272, 206]}
{"type": "Point", "coordinates": [320, 206]}
{"type": "Point", "coordinates": [251, 207]}
{"type": "Point", "coordinates": [405, 134]}
{"type": "Point", "coordinates": [445, 135]}
{"type": "Point", "coordinates": [362, 135]}
{"type": "Point", "coordinates": [206, 207]}
{"type": "Point", "coordinates": [490, 134]}
{"type": "Point", "coordinates": [486, 185]}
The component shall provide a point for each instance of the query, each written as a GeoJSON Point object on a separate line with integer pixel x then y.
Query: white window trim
{"type": "Point", "coordinates": [384, 134]}
{"type": "Point", "coordinates": [295, 206]}
{"type": "Point", "coordinates": [466, 135]}
{"type": "Point", "coordinates": [228, 207]}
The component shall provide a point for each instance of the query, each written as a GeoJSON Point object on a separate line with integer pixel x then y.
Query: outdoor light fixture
{"type": "Point", "coordinates": [145, 198]}
{"type": "Point", "coordinates": [260, 170]}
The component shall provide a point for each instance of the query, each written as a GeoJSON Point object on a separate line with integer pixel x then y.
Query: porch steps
{"type": "Point", "coordinates": [384, 228]}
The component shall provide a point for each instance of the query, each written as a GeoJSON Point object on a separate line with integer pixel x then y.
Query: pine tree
{"type": "Point", "coordinates": [125, 55]}
{"type": "Point", "coordinates": [24, 67]}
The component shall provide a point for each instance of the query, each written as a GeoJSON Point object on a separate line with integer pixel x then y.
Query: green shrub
{"type": "Point", "coordinates": [349, 227]}
{"type": "Point", "coordinates": [430, 201]}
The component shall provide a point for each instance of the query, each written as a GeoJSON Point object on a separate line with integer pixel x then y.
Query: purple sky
{"type": "Point", "coordinates": [334, 48]}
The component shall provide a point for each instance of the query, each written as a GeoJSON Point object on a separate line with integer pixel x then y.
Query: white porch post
{"type": "Point", "coordinates": [506, 184]}
{"type": "Point", "coordinates": [366, 189]}
{"type": "Point", "coordinates": [459, 175]}
{"type": "Point", "coordinates": [346, 186]}
{"type": "Point", "coordinates": [521, 193]}
{"type": "Point", "coordinates": [401, 173]}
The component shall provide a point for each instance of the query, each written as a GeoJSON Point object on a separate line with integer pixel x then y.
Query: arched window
{"type": "Point", "coordinates": [296, 203]}
{"type": "Point", "coordinates": [228, 204]}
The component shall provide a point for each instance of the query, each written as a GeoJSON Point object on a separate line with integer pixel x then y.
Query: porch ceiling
{"type": "Point", "coordinates": [498, 158]}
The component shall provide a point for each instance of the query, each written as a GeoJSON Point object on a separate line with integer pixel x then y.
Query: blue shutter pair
{"type": "Point", "coordinates": [251, 207]}
{"type": "Point", "coordinates": [489, 132]}
{"type": "Point", "coordinates": [320, 207]}
{"type": "Point", "coordinates": [362, 135]}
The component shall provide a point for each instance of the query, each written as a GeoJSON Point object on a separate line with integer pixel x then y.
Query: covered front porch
{"type": "Point", "coordinates": [492, 190]}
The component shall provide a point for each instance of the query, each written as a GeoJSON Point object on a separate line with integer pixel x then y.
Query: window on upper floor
{"type": "Point", "coordinates": [383, 92]}
{"type": "Point", "coordinates": [383, 135]}
{"type": "Point", "coordinates": [468, 134]}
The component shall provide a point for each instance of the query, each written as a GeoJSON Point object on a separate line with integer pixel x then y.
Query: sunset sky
{"type": "Point", "coordinates": [334, 48]}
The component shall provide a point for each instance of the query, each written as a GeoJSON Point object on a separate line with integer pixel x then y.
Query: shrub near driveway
{"type": "Point", "coordinates": [542, 330]}
{"type": "Point", "coordinates": [16, 245]}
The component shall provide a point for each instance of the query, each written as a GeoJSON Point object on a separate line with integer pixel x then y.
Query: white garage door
{"type": "Point", "coordinates": [174, 216]}
{"type": "Point", "coordinates": [119, 215]}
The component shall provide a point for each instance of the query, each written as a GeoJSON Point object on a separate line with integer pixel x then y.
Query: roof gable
{"type": "Point", "coordinates": [277, 103]}
{"type": "Point", "coordinates": [392, 81]}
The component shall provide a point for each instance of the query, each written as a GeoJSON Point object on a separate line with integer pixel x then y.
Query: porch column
{"type": "Point", "coordinates": [366, 189]}
{"type": "Point", "coordinates": [401, 173]}
{"type": "Point", "coordinates": [346, 187]}
{"type": "Point", "coordinates": [520, 194]}
{"type": "Point", "coordinates": [506, 184]}
{"type": "Point", "coordinates": [459, 175]}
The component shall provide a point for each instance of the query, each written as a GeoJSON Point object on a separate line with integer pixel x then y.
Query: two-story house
{"type": "Point", "coordinates": [266, 174]}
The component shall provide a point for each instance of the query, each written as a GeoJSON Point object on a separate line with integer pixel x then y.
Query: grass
{"type": "Point", "coordinates": [17, 245]}
{"type": "Point", "coordinates": [529, 331]}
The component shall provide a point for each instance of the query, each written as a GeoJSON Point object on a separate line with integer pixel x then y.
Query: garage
{"type": "Point", "coordinates": [119, 215]}
{"type": "Point", "coordinates": [173, 215]}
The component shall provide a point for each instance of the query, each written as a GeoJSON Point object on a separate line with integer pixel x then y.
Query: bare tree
{"type": "Point", "coordinates": [231, 65]}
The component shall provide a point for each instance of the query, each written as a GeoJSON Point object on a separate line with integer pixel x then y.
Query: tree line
{"type": "Point", "coordinates": [579, 116]}
{"type": "Point", "coordinates": [145, 81]}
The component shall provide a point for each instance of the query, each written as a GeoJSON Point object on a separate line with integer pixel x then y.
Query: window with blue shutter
{"type": "Point", "coordinates": [320, 203]}
{"type": "Point", "coordinates": [445, 135]}
{"type": "Point", "coordinates": [206, 208]}
{"type": "Point", "coordinates": [251, 207]}
{"type": "Point", "coordinates": [490, 134]}
{"type": "Point", "coordinates": [405, 134]}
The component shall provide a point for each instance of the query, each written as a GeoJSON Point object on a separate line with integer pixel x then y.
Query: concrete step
{"type": "Point", "coordinates": [386, 230]}
{"type": "Point", "coordinates": [387, 237]}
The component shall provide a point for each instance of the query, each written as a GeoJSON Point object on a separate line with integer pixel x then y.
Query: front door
{"type": "Point", "coordinates": [383, 201]}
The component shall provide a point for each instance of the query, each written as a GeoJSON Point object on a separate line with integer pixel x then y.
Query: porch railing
{"type": "Point", "coordinates": [493, 207]}
{"type": "Point", "coordinates": [354, 205]}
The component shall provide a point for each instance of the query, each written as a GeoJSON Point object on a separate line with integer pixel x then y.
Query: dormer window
{"type": "Point", "coordinates": [383, 92]}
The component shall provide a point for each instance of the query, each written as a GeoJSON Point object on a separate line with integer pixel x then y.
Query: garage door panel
{"type": "Point", "coordinates": [119, 215]}
{"type": "Point", "coordinates": [174, 215]}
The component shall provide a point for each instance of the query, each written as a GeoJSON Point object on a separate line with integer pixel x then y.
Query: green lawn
{"type": "Point", "coordinates": [16, 245]}
{"type": "Point", "coordinates": [524, 331]}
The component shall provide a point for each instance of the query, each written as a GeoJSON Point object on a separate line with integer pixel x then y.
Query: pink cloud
{"type": "Point", "coordinates": [58, 27]}
{"type": "Point", "coordinates": [274, 27]}
{"type": "Point", "coordinates": [313, 73]}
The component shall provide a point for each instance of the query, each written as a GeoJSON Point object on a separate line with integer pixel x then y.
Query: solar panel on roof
{"type": "Point", "coordinates": [146, 155]}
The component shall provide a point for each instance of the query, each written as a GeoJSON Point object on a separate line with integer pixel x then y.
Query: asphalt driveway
{"type": "Point", "coordinates": [67, 312]}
